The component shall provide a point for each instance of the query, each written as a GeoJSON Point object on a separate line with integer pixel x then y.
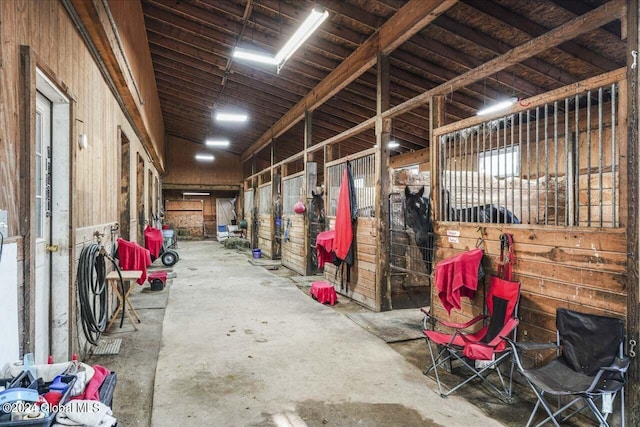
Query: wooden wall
{"type": "Point", "coordinates": [183, 169]}
{"type": "Point", "coordinates": [186, 217]}
{"type": "Point", "coordinates": [363, 285]}
{"type": "Point", "coordinates": [293, 249]}
{"type": "Point", "coordinates": [128, 16]}
{"type": "Point", "coordinates": [55, 46]}
{"type": "Point", "coordinates": [264, 234]}
{"type": "Point", "coordinates": [577, 268]}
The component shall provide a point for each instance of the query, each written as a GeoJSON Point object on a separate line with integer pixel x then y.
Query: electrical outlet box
{"type": "Point", "coordinates": [4, 223]}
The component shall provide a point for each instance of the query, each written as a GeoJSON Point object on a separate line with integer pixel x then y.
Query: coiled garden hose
{"type": "Point", "coordinates": [92, 291]}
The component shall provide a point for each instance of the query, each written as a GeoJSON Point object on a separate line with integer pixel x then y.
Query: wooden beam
{"type": "Point", "coordinates": [87, 17]}
{"type": "Point", "coordinates": [582, 53]}
{"type": "Point", "coordinates": [632, 106]}
{"type": "Point", "coordinates": [410, 158]}
{"type": "Point", "coordinates": [203, 187]}
{"type": "Point", "coordinates": [436, 118]}
{"type": "Point", "coordinates": [407, 21]}
{"type": "Point", "coordinates": [383, 133]}
{"type": "Point", "coordinates": [596, 18]}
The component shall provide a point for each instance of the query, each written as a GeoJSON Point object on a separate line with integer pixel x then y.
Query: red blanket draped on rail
{"type": "Point", "coordinates": [457, 277]}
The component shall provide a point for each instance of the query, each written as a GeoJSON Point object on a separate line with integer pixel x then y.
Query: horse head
{"type": "Point", "coordinates": [416, 208]}
{"type": "Point", "coordinates": [317, 206]}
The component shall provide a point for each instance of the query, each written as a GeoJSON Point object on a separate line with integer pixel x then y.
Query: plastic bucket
{"type": "Point", "coordinates": [257, 253]}
{"type": "Point", "coordinates": [167, 234]}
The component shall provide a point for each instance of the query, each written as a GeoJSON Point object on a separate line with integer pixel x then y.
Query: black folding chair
{"type": "Point", "coordinates": [590, 366]}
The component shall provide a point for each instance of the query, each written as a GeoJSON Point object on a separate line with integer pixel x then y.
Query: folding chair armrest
{"type": "Point", "coordinates": [619, 365]}
{"type": "Point", "coordinates": [430, 317]}
{"type": "Point", "coordinates": [536, 346]}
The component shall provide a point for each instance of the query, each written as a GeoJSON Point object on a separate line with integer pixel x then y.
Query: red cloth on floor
{"type": "Point", "coordinates": [457, 277]}
{"type": "Point", "coordinates": [134, 257]}
{"type": "Point", "coordinates": [92, 390]}
{"type": "Point", "coordinates": [162, 275]}
{"type": "Point", "coordinates": [344, 226]}
{"type": "Point", "coordinates": [324, 244]}
{"type": "Point", "coordinates": [153, 241]}
{"type": "Point", "coordinates": [324, 292]}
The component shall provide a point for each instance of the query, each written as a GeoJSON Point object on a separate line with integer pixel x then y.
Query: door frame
{"type": "Point", "coordinates": [60, 261]}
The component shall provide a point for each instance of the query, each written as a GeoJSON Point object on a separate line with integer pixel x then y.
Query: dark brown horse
{"type": "Point", "coordinates": [419, 218]}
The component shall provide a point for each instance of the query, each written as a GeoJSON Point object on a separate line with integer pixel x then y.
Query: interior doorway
{"type": "Point", "coordinates": [140, 198]}
{"type": "Point", "coordinates": [52, 218]}
{"type": "Point", "coordinates": [125, 194]}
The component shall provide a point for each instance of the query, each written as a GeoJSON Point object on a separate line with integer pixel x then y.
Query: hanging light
{"type": "Point", "coordinates": [501, 105]}
{"type": "Point", "coordinates": [231, 117]}
{"type": "Point", "coordinates": [308, 27]}
{"type": "Point", "coordinates": [217, 143]}
{"type": "Point", "coordinates": [205, 157]}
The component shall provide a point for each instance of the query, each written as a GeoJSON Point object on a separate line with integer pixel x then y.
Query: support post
{"type": "Point", "coordinates": [436, 119]}
{"type": "Point", "coordinates": [383, 132]}
{"type": "Point", "coordinates": [633, 187]}
{"type": "Point", "coordinates": [308, 134]}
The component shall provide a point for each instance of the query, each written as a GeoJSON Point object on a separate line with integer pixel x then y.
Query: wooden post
{"type": "Point", "coordinates": [275, 190]}
{"type": "Point", "coordinates": [308, 134]}
{"type": "Point", "coordinates": [436, 119]}
{"type": "Point", "coordinates": [383, 131]}
{"type": "Point", "coordinates": [633, 186]}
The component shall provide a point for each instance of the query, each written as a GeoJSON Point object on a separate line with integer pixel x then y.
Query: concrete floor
{"type": "Point", "coordinates": [242, 346]}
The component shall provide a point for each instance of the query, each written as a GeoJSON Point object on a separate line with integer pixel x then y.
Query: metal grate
{"type": "Point", "coordinates": [553, 164]}
{"type": "Point", "coordinates": [292, 193]}
{"type": "Point", "coordinates": [363, 171]}
{"type": "Point", "coordinates": [248, 203]}
{"type": "Point", "coordinates": [107, 346]}
{"type": "Point", "coordinates": [264, 199]}
{"type": "Point", "coordinates": [406, 254]}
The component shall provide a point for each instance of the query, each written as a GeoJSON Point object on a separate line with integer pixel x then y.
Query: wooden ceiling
{"type": "Point", "coordinates": [191, 43]}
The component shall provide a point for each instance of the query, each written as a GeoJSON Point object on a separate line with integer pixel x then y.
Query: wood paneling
{"type": "Point", "coordinates": [363, 286]}
{"type": "Point", "coordinates": [182, 168]}
{"type": "Point", "coordinates": [264, 234]}
{"type": "Point", "coordinates": [293, 238]}
{"type": "Point", "coordinates": [581, 269]}
{"type": "Point", "coordinates": [186, 217]}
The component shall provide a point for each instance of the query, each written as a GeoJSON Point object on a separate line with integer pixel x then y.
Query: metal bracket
{"type": "Point", "coordinates": [632, 346]}
{"type": "Point", "coordinates": [634, 53]}
{"type": "Point", "coordinates": [51, 248]}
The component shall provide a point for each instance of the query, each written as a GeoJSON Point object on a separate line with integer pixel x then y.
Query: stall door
{"type": "Point", "coordinates": [42, 227]}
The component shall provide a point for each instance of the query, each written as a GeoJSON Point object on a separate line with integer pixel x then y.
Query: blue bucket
{"type": "Point", "coordinates": [257, 253]}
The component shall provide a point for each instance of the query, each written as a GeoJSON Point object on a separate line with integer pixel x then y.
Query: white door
{"type": "Point", "coordinates": [42, 227]}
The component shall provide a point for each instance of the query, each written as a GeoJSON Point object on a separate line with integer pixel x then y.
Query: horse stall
{"type": "Point", "coordinates": [411, 243]}
{"type": "Point", "coordinates": [250, 216]}
{"type": "Point", "coordinates": [549, 173]}
{"type": "Point", "coordinates": [264, 219]}
{"type": "Point", "coordinates": [293, 241]}
{"type": "Point", "coordinates": [363, 285]}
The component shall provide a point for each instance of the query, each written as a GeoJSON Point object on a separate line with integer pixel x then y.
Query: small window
{"type": "Point", "coordinates": [500, 163]}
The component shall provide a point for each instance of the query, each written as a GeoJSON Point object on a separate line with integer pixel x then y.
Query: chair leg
{"type": "Point", "coordinates": [435, 366]}
{"type": "Point", "coordinates": [596, 412]}
{"type": "Point", "coordinates": [545, 405]}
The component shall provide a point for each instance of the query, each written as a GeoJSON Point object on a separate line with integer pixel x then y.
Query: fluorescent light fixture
{"type": "Point", "coordinates": [253, 56]}
{"type": "Point", "coordinates": [311, 24]}
{"type": "Point", "coordinates": [205, 157]}
{"type": "Point", "coordinates": [217, 143]}
{"type": "Point", "coordinates": [501, 105]}
{"type": "Point", "coordinates": [231, 117]}
{"type": "Point", "coordinates": [393, 144]}
{"type": "Point", "coordinates": [186, 193]}
{"type": "Point", "coordinates": [313, 21]}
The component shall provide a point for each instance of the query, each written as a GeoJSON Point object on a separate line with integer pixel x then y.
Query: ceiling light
{"type": "Point", "coordinates": [205, 157]}
{"type": "Point", "coordinates": [393, 144]}
{"type": "Point", "coordinates": [254, 56]}
{"type": "Point", "coordinates": [217, 143]}
{"type": "Point", "coordinates": [313, 21]}
{"type": "Point", "coordinates": [307, 28]}
{"type": "Point", "coordinates": [501, 105]}
{"type": "Point", "coordinates": [231, 117]}
{"type": "Point", "coordinates": [186, 193]}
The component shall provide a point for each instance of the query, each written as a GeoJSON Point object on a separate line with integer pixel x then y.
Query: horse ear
{"type": "Point", "coordinates": [421, 192]}
{"type": "Point", "coordinates": [313, 193]}
{"type": "Point", "coordinates": [407, 192]}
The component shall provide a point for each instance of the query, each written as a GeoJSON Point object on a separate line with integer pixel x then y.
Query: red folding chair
{"type": "Point", "coordinates": [481, 352]}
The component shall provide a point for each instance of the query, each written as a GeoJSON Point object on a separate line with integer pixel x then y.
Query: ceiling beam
{"type": "Point", "coordinates": [414, 16]}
